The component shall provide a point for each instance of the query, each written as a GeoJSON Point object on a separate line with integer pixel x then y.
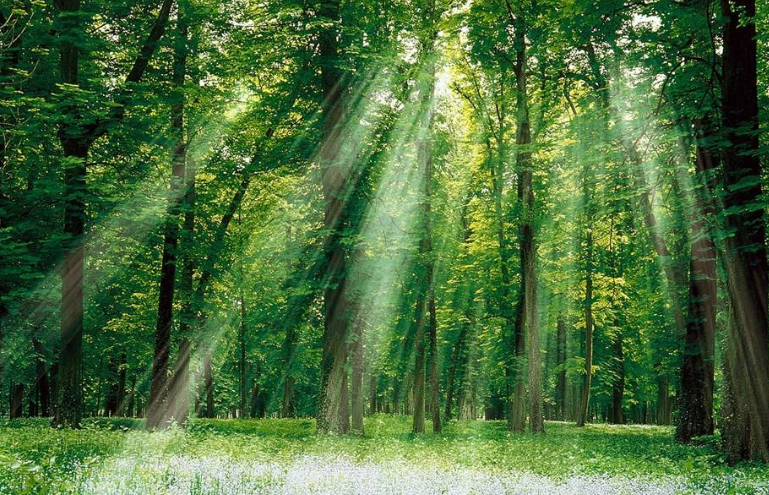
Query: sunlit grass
{"type": "Point", "coordinates": [287, 456]}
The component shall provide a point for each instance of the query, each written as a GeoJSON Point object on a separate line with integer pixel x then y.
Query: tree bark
{"type": "Point", "coordinates": [242, 385]}
{"type": "Point", "coordinates": [372, 394]}
{"type": "Point", "coordinates": [76, 135]}
{"type": "Point", "coordinates": [335, 175]}
{"type": "Point", "coordinates": [357, 378]}
{"type": "Point", "coordinates": [560, 383]}
{"type": "Point", "coordinates": [418, 425]}
{"type": "Point", "coordinates": [698, 370]}
{"type": "Point", "coordinates": [617, 415]}
{"type": "Point", "coordinates": [158, 403]}
{"type": "Point", "coordinates": [16, 401]}
{"type": "Point", "coordinates": [746, 401]}
{"type": "Point", "coordinates": [41, 382]}
{"type": "Point", "coordinates": [584, 401]}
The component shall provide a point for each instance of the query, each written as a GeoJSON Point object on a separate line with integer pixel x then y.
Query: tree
{"type": "Point", "coordinates": [746, 367]}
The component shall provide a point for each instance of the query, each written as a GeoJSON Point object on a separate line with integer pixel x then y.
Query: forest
{"type": "Point", "coordinates": [402, 246]}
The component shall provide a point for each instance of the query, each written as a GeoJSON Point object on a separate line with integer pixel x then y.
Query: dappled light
{"type": "Point", "coordinates": [358, 247]}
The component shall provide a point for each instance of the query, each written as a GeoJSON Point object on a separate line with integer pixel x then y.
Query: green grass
{"type": "Point", "coordinates": [37, 459]}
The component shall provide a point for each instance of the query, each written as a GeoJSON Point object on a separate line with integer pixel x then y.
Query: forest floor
{"type": "Point", "coordinates": [288, 457]}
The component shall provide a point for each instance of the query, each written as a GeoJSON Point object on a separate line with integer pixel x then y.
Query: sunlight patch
{"type": "Point", "coordinates": [341, 476]}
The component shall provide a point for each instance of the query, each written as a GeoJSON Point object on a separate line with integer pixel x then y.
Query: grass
{"type": "Point", "coordinates": [278, 456]}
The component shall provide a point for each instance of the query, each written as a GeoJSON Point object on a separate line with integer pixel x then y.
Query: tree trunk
{"type": "Point", "coordinates": [456, 368]}
{"type": "Point", "coordinates": [427, 160]}
{"type": "Point", "coordinates": [242, 386]}
{"type": "Point", "coordinates": [357, 378]}
{"type": "Point", "coordinates": [42, 384]}
{"type": "Point", "coordinates": [560, 383]}
{"type": "Point", "coordinates": [131, 398]}
{"type": "Point", "coordinates": [746, 420]}
{"type": "Point", "coordinates": [418, 425]}
{"type": "Point", "coordinates": [617, 415]}
{"type": "Point", "coordinates": [698, 370]}
{"type": "Point", "coordinates": [158, 407]}
{"type": "Point", "coordinates": [76, 136]}
{"type": "Point", "coordinates": [75, 147]}
{"type": "Point", "coordinates": [17, 401]}
{"type": "Point", "coordinates": [663, 401]}
{"type": "Point", "coordinates": [372, 395]}
{"type": "Point", "coordinates": [584, 401]}
{"type": "Point", "coordinates": [426, 299]}
{"type": "Point", "coordinates": [112, 402]}
{"type": "Point", "coordinates": [527, 307]}
{"type": "Point", "coordinates": [335, 175]}
{"type": "Point", "coordinates": [208, 386]}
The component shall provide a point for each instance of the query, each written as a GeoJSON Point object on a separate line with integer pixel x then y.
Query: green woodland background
{"type": "Point", "coordinates": [515, 210]}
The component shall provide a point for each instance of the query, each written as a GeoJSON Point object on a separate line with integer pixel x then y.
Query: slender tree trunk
{"type": "Point", "coordinates": [617, 415]}
{"type": "Point", "coordinates": [456, 368]}
{"type": "Point", "coordinates": [428, 253]}
{"type": "Point", "coordinates": [663, 401]}
{"type": "Point", "coordinates": [41, 382]}
{"type": "Point", "coordinates": [746, 400]}
{"type": "Point", "coordinates": [131, 398]}
{"type": "Point", "coordinates": [357, 378]}
{"type": "Point", "coordinates": [242, 385]}
{"type": "Point", "coordinates": [418, 425]}
{"type": "Point", "coordinates": [698, 370]}
{"type": "Point", "coordinates": [70, 395]}
{"type": "Point", "coordinates": [560, 384]}
{"type": "Point", "coordinates": [113, 400]}
{"type": "Point", "coordinates": [70, 399]}
{"type": "Point", "coordinates": [257, 395]}
{"type": "Point", "coordinates": [179, 394]}
{"type": "Point", "coordinates": [208, 386]}
{"type": "Point", "coordinates": [17, 401]}
{"type": "Point", "coordinates": [426, 300]}
{"type": "Point", "coordinates": [157, 408]}
{"type": "Point", "coordinates": [76, 139]}
{"type": "Point", "coordinates": [372, 394]}
{"type": "Point", "coordinates": [584, 401]}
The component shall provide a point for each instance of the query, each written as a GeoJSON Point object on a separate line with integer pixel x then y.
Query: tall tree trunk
{"type": "Point", "coordinates": [426, 300]}
{"type": "Point", "coordinates": [42, 384]}
{"type": "Point", "coordinates": [287, 406]}
{"type": "Point", "coordinates": [456, 368]}
{"type": "Point", "coordinates": [131, 398]}
{"type": "Point", "coordinates": [157, 407]}
{"type": "Point", "coordinates": [663, 400]}
{"type": "Point", "coordinates": [698, 370]}
{"type": "Point", "coordinates": [426, 152]}
{"type": "Point", "coordinates": [258, 402]}
{"type": "Point", "coordinates": [70, 390]}
{"type": "Point", "coordinates": [242, 385]}
{"type": "Point", "coordinates": [208, 386]}
{"type": "Point", "coordinates": [584, 401]}
{"type": "Point", "coordinates": [527, 305]}
{"type": "Point", "coordinates": [76, 134]}
{"type": "Point", "coordinates": [357, 378]}
{"type": "Point", "coordinates": [178, 389]}
{"type": "Point", "coordinates": [433, 339]}
{"type": "Point", "coordinates": [112, 402]}
{"type": "Point", "coordinates": [560, 382]}
{"type": "Point", "coordinates": [335, 176]}
{"type": "Point", "coordinates": [372, 394]}
{"type": "Point", "coordinates": [617, 415]}
{"type": "Point", "coordinates": [746, 420]}
{"type": "Point", "coordinates": [418, 425]}
{"type": "Point", "coordinates": [121, 384]}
